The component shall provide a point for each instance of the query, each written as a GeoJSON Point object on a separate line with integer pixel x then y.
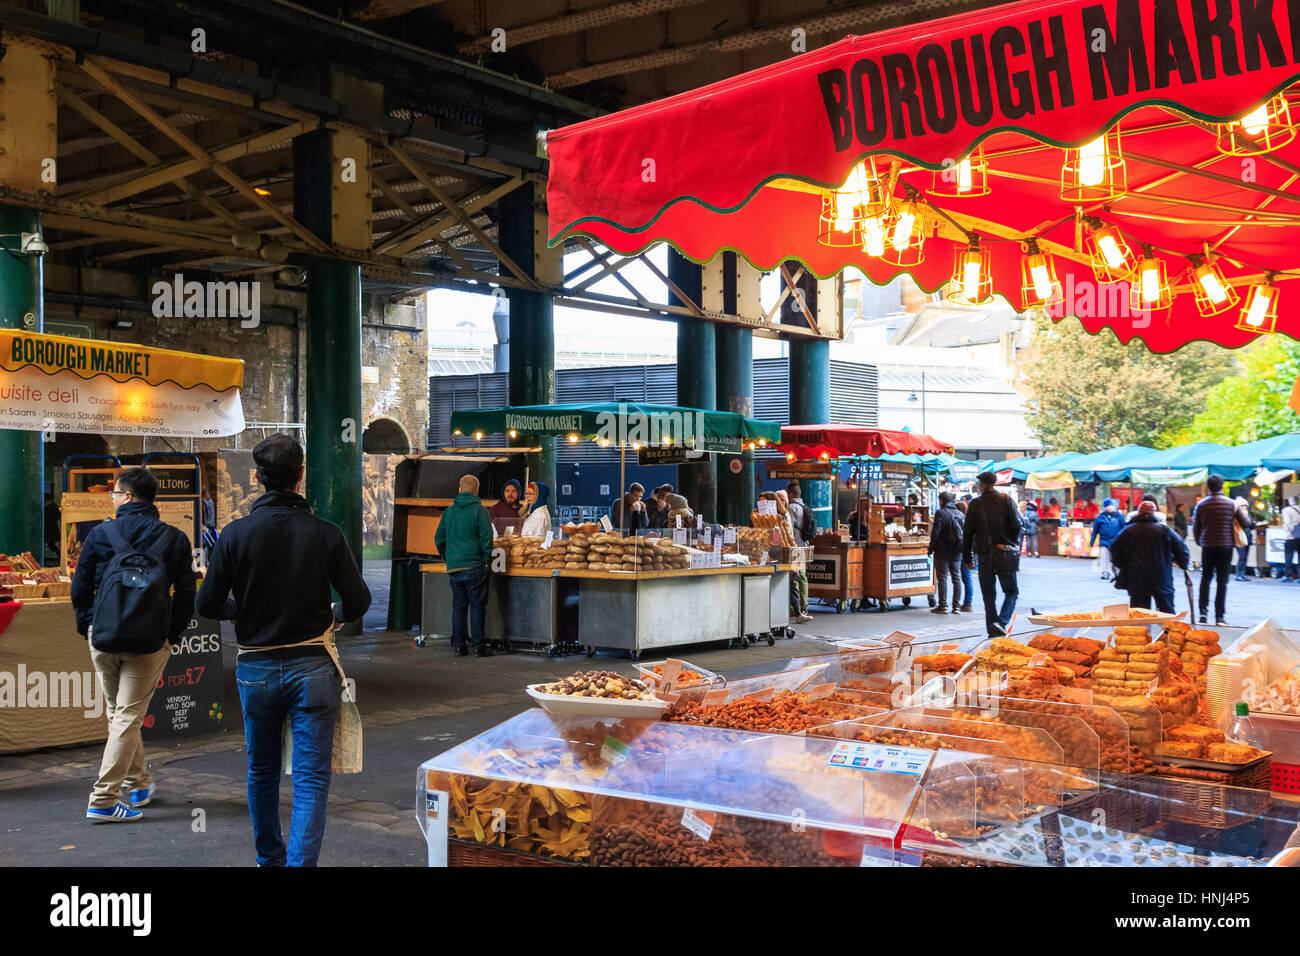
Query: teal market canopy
{"type": "Point", "coordinates": [622, 423]}
{"type": "Point", "coordinates": [1095, 466]}
{"type": "Point", "coordinates": [1022, 468]}
{"type": "Point", "coordinates": [1276, 453]}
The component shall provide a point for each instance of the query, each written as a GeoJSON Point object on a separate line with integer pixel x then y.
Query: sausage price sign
{"type": "Point", "coordinates": [53, 383]}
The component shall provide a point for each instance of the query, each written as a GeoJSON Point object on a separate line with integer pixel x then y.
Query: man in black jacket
{"type": "Point", "coordinates": [1146, 552]}
{"type": "Point", "coordinates": [271, 572]}
{"type": "Point", "coordinates": [993, 532]}
{"type": "Point", "coordinates": [946, 539]}
{"type": "Point", "coordinates": [129, 680]}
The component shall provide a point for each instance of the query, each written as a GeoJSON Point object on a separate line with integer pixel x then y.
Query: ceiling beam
{"type": "Point", "coordinates": [387, 9]}
{"type": "Point", "coordinates": [574, 23]}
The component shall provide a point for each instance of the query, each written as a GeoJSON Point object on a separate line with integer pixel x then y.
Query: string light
{"type": "Point", "coordinates": [513, 433]}
{"type": "Point", "coordinates": [1214, 294]}
{"type": "Point", "coordinates": [1262, 130]}
{"type": "Point", "coordinates": [1038, 282]}
{"type": "Point", "coordinates": [907, 235]}
{"type": "Point", "coordinates": [873, 236]}
{"type": "Point", "coordinates": [572, 438]}
{"type": "Point", "coordinates": [1259, 315]}
{"type": "Point", "coordinates": [1112, 258]}
{"type": "Point", "coordinates": [1095, 171]}
{"type": "Point", "coordinates": [846, 208]}
{"type": "Point", "coordinates": [972, 281]}
{"type": "Point", "coordinates": [965, 178]}
{"type": "Point", "coordinates": [1150, 289]}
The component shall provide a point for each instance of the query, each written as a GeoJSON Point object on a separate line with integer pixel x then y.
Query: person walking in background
{"type": "Point", "coordinates": [537, 512]}
{"type": "Point", "coordinates": [1213, 527]}
{"type": "Point", "coordinates": [505, 513]}
{"type": "Point", "coordinates": [967, 579]}
{"type": "Point", "coordinates": [1160, 515]}
{"type": "Point", "coordinates": [803, 524]}
{"type": "Point", "coordinates": [628, 513]}
{"type": "Point", "coordinates": [1145, 553]}
{"type": "Point", "coordinates": [464, 539]}
{"type": "Point", "coordinates": [946, 546]}
{"type": "Point", "coordinates": [271, 573]}
{"type": "Point", "coordinates": [1241, 540]}
{"type": "Point", "coordinates": [1029, 528]}
{"type": "Point", "coordinates": [1291, 547]}
{"type": "Point", "coordinates": [992, 531]}
{"type": "Point", "coordinates": [130, 629]}
{"type": "Point", "coordinates": [1106, 527]}
{"type": "Point", "coordinates": [1179, 520]}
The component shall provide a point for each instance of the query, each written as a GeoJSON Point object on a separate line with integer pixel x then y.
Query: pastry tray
{"type": "Point", "coordinates": [1198, 763]}
{"type": "Point", "coordinates": [1049, 619]}
{"type": "Point", "coordinates": [596, 706]}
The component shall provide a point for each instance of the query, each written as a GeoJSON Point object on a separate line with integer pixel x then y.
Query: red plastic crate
{"type": "Point", "coordinates": [1286, 778]}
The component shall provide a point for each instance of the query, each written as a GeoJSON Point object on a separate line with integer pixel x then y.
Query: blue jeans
{"type": "Point", "coordinates": [468, 599]}
{"type": "Point", "coordinates": [968, 585]}
{"type": "Point", "coordinates": [1164, 599]}
{"type": "Point", "coordinates": [306, 690]}
{"type": "Point", "coordinates": [1010, 591]}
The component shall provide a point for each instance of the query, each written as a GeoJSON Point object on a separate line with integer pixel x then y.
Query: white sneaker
{"type": "Point", "coordinates": [804, 619]}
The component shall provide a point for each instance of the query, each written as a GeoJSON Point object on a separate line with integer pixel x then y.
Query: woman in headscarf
{"type": "Point", "coordinates": [537, 518]}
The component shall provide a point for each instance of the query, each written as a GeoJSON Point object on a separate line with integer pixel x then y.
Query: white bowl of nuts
{"type": "Point", "coordinates": [599, 693]}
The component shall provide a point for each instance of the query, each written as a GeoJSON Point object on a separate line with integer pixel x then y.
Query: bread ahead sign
{"type": "Point", "coordinates": [52, 383]}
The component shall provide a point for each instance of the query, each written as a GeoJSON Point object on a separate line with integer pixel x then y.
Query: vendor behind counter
{"type": "Point", "coordinates": [505, 513]}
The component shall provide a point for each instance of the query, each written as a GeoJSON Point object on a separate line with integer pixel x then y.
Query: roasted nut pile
{"type": "Point", "coordinates": [787, 712]}
{"type": "Point", "coordinates": [599, 684]}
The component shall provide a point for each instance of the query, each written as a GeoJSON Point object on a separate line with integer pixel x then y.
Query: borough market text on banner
{"type": "Point", "coordinates": [59, 384]}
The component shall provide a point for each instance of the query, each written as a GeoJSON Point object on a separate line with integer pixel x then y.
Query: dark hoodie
{"type": "Point", "coordinates": [140, 525]}
{"type": "Point", "coordinates": [280, 563]}
{"type": "Point", "coordinates": [1147, 551]}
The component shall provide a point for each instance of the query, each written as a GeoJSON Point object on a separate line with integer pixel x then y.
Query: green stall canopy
{"type": "Point", "coordinates": [622, 423]}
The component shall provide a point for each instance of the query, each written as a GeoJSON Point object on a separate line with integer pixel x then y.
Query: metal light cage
{"type": "Point", "coordinates": [966, 178]}
{"type": "Point", "coordinates": [1095, 172]}
{"type": "Point", "coordinates": [1038, 268]}
{"type": "Point", "coordinates": [1259, 314]}
{"type": "Point", "coordinates": [1203, 276]}
{"type": "Point", "coordinates": [911, 251]}
{"type": "Point", "coordinates": [1099, 240]}
{"type": "Point", "coordinates": [1258, 132]}
{"type": "Point", "coordinates": [1151, 275]}
{"type": "Point", "coordinates": [971, 263]}
{"type": "Point", "coordinates": [860, 197]}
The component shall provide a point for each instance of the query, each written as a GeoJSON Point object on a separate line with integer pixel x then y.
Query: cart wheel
{"type": "Point", "coordinates": [839, 607]}
{"type": "Point", "coordinates": [789, 633]}
{"type": "Point", "coordinates": [590, 651]}
{"type": "Point", "coordinates": [771, 639]}
{"type": "Point", "coordinates": [931, 599]}
{"type": "Point", "coordinates": [744, 641]}
{"type": "Point", "coordinates": [907, 602]}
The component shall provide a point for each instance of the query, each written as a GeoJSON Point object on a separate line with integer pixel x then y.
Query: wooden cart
{"type": "Point", "coordinates": [835, 572]}
{"type": "Point", "coordinates": [898, 570]}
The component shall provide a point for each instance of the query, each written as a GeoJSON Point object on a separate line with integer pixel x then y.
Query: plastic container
{"type": "Point", "coordinates": [710, 678]}
{"type": "Point", "coordinates": [596, 706]}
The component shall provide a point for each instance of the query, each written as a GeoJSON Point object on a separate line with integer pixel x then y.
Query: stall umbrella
{"type": "Point", "coordinates": [1100, 159]}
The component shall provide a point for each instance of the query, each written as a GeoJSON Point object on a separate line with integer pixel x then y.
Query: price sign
{"type": "Point", "coordinates": [728, 535]}
{"type": "Point", "coordinates": [717, 546]}
{"type": "Point", "coordinates": [699, 822]}
{"type": "Point", "coordinates": [766, 506]}
{"type": "Point", "coordinates": [613, 751]}
{"type": "Point", "coordinates": [679, 534]}
{"type": "Point", "coordinates": [550, 537]}
{"type": "Point", "coordinates": [706, 537]}
{"type": "Point", "coordinates": [606, 524]}
{"type": "Point", "coordinates": [678, 519]}
{"type": "Point", "coordinates": [1114, 612]}
{"type": "Point", "coordinates": [668, 680]}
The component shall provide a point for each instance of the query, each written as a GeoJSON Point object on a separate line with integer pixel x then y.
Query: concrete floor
{"type": "Point", "coordinates": [417, 702]}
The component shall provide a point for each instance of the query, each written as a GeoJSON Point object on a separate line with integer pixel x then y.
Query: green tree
{"type": "Point", "coordinates": [1092, 392]}
{"type": "Point", "coordinates": [1251, 404]}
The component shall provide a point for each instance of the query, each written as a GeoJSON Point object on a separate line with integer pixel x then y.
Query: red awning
{"type": "Point", "coordinates": [810, 442]}
{"type": "Point", "coordinates": [742, 164]}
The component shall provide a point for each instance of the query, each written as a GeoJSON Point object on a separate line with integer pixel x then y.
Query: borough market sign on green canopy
{"type": "Point", "coordinates": [622, 423]}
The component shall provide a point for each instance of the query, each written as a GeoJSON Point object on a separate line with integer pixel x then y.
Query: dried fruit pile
{"type": "Point", "coordinates": [551, 821]}
{"type": "Point", "coordinates": [599, 684]}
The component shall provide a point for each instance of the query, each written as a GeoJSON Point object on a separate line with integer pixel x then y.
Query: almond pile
{"type": "Point", "coordinates": [599, 684]}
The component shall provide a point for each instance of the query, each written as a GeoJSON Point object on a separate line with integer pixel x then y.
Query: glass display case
{"type": "Point", "coordinates": [640, 793]}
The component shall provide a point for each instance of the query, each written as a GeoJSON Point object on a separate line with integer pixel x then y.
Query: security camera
{"type": "Point", "coordinates": [33, 243]}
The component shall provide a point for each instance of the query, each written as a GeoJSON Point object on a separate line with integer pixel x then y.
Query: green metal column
{"type": "Point", "coordinates": [697, 382]}
{"type": "Point", "coordinates": [334, 422]}
{"type": "Point", "coordinates": [22, 455]}
{"type": "Point", "coordinates": [810, 388]}
{"type": "Point", "coordinates": [735, 350]}
{"type": "Point", "coordinates": [532, 329]}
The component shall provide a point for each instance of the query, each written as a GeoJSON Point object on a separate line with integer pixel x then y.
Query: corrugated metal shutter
{"type": "Point", "coordinates": [855, 397]}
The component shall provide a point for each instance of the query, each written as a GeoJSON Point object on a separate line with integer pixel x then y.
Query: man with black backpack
{"type": "Point", "coordinates": [123, 597]}
{"type": "Point", "coordinates": [945, 544]}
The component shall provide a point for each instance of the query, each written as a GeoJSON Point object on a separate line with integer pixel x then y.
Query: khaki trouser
{"type": "Point", "coordinates": [128, 681]}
